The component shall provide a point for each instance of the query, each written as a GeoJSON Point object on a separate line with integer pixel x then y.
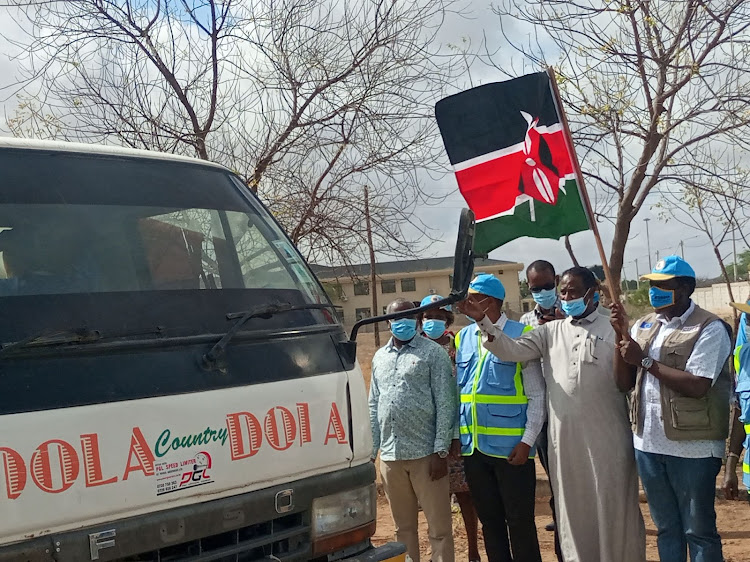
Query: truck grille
{"type": "Point", "coordinates": [281, 540]}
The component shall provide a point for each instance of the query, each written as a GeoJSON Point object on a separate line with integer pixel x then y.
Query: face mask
{"type": "Point", "coordinates": [660, 298]}
{"type": "Point", "coordinates": [433, 329]}
{"type": "Point", "coordinates": [546, 298]}
{"type": "Point", "coordinates": [596, 297]}
{"type": "Point", "coordinates": [575, 307]}
{"type": "Point", "coordinates": [404, 329]}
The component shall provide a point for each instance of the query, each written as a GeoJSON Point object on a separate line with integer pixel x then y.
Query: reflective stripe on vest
{"type": "Point", "coordinates": [481, 408]}
{"type": "Point", "coordinates": [746, 463]}
{"type": "Point", "coordinates": [737, 358]}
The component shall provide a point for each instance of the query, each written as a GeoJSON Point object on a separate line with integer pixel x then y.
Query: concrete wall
{"type": "Point", "coordinates": [716, 297]}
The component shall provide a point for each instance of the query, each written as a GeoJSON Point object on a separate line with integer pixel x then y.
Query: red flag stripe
{"type": "Point", "coordinates": [490, 187]}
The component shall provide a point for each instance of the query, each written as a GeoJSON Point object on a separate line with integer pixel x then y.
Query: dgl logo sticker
{"type": "Point", "coordinates": [188, 473]}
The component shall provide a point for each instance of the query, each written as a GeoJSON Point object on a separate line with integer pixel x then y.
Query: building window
{"type": "Point", "coordinates": [361, 313]}
{"type": "Point", "coordinates": [408, 285]}
{"type": "Point", "coordinates": [525, 306]}
{"type": "Point", "coordinates": [361, 288]}
{"type": "Point", "coordinates": [388, 286]}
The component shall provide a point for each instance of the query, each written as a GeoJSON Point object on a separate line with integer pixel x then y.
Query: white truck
{"type": "Point", "coordinates": [174, 382]}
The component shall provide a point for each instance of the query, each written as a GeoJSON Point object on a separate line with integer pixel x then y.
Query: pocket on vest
{"type": "Point", "coordinates": [501, 374]}
{"type": "Point", "coordinates": [462, 372]}
{"type": "Point", "coordinates": [689, 413]}
{"type": "Point", "coordinates": [504, 411]}
{"type": "Point", "coordinates": [676, 361]}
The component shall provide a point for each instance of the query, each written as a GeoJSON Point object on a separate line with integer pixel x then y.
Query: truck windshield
{"type": "Point", "coordinates": [59, 249]}
{"type": "Point", "coordinates": [81, 234]}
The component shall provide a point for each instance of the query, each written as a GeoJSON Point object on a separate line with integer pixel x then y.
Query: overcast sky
{"type": "Point", "coordinates": [443, 219]}
{"type": "Point", "coordinates": [665, 238]}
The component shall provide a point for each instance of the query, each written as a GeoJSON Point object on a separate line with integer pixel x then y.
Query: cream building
{"type": "Point", "coordinates": [350, 288]}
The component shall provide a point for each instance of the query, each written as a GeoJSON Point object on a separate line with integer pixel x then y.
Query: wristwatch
{"type": "Point", "coordinates": [646, 362]}
{"type": "Point", "coordinates": [442, 454]}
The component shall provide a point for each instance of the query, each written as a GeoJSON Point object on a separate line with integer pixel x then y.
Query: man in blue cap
{"type": "Point", "coordinates": [675, 360]}
{"type": "Point", "coordinates": [501, 414]}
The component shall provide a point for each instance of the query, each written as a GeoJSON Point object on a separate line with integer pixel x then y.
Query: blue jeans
{"type": "Point", "coordinates": [680, 496]}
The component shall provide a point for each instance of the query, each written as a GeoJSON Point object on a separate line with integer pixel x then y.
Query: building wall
{"type": "Point", "coordinates": [432, 282]}
{"type": "Point", "coordinates": [716, 297]}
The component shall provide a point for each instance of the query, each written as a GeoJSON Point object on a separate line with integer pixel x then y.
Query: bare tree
{"type": "Point", "coordinates": [711, 209]}
{"type": "Point", "coordinates": [655, 90]}
{"type": "Point", "coordinates": [307, 100]}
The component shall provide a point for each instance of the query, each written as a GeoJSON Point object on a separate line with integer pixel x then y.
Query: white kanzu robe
{"type": "Point", "coordinates": [592, 463]}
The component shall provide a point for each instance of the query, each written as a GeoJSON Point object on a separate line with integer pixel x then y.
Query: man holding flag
{"type": "Point", "coordinates": [512, 154]}
{"type": "Point", "coordinates": [591, 459]}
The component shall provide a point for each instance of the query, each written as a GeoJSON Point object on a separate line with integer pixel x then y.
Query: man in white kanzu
{"type": "Point", "coordinates": [591, 459]}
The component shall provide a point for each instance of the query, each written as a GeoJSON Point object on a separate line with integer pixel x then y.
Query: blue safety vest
{"type": "Point", "coordinates": [492, 412]}
{"type": "Point", "coordinates": [742, 363]}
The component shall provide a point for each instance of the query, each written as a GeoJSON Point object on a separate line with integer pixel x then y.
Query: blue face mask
{"type": "Point", "coordinates": [546, 298]}
{"type": "Point", "coordinates": [660, 298]}
{"type": "Point", "coordinates": [433, 329]}
{"type": "Point", "coordinates": [596, 297]}
{"type": "Point", "coordinates": [404, 329]}
{"type": "Point", "coordinates": [575, 307]}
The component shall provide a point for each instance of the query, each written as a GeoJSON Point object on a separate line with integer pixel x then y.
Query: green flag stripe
{"type": "Point", "coordinates": [551, 221]}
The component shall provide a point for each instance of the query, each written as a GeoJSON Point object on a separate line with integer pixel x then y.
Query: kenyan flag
{"type": "Point", "coordinates": [512, 160]}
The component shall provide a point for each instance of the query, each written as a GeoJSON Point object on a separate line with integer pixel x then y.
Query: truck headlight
{"type": "Point", "coordinates": [343, 511]}
{"type": "Point", "coordinates": [343, 519]}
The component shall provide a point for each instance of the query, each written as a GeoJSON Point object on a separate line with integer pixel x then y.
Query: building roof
{"type": "Point", "coordinates": [98, 149]}
{"type": "Point", "coordinates": [396, 267]}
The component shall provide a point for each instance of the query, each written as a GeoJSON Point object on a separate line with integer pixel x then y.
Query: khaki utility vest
{"type": "Point", "coordinates": [685, 418]}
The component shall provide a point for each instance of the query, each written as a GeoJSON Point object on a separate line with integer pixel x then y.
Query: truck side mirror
{"type": "Point", "coordinates": [463, 260]}
{"type": "Point", "coordinates": [463, 269]}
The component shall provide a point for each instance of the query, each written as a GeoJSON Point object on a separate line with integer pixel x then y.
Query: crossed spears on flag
{"type": "Point", "coordinates": [512, 153]}
{"type": "Point", "coordinates": [542, 175]}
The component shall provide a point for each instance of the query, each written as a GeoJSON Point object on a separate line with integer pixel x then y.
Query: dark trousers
{"type": "Point", "coordinates": [542, 452]}
{"type": "Point", "coordinates": [503, 495]}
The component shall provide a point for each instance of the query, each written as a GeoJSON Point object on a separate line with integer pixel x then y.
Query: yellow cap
{"type": "Point", "coordinates": [741, 306]}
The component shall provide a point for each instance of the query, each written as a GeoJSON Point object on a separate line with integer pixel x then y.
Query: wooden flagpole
{"type": "Point", "coordinates": [613, 291]}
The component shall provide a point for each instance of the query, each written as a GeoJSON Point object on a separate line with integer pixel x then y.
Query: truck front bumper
{"type": "Point", "coordinates": [390, 552]}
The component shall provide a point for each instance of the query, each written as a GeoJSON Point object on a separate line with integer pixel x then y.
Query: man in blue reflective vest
{"type": "Point", "coordinates": [740, 436]}
{"type": "Point", "coordinates": [501, 413]}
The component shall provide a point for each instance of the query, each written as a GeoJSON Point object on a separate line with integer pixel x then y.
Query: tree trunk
{"type": "Point", "coordinates": [617, 254]}
{"type": "Point", "coordinates": [570, 251]}
{"type": "Point", "coordinates": [728, 282]}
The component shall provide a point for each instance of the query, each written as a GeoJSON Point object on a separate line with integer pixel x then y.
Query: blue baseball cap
{"type": "Point", "coordinates": [434, 298]}
{"type": "Point", "coordinates": [487, 284]}
{"type": "Point", "coordinates": [669, 268]}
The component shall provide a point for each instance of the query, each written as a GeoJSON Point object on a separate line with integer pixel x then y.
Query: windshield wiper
{"type": "Point", "coordinates": [213, 360]}
{"type": "Point", "coordinates": [52, 338]}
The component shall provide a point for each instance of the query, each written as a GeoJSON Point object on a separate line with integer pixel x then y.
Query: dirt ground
{"type": "Point", "coordinates": [733, 516]}
{"type": "Point", "coordinates": [733, 521]}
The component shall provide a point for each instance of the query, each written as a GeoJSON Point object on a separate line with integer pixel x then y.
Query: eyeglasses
{"type": "Point", "coordinates": [547, 287]}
